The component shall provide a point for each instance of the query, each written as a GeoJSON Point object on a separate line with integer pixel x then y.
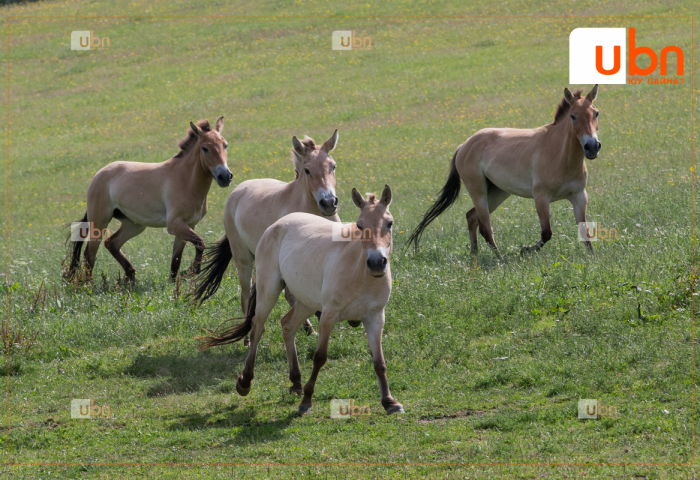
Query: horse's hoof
{"type": "Point", "coordinates": [242, 391]}
{"type": "Point", "coordinates": [398, 408]}
{"type": "Point", "coordinates": [303, 409]}
{"type": "Point", "coordinates": [354, 323]}
{"type": "Point", "coordinates": [296, 390]}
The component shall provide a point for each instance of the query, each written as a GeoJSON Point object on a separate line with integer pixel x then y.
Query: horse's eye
{"type": "Point", "coordinates": [359, 226]}
{"type": "Point", "coordinates": [333, 168]}
{"type": "Point", "coordinates": [573, 117]}
{"type": "Point", "coordinates": [306, 171]}
{"type": "Point", "coordinates": [205, 149]}
{"type": "Point", "coordinates": [225, 146]}
{"type": "Point", "coordinates": [597, 113]}
{"type": "Point", "coordinates": [389, 225]}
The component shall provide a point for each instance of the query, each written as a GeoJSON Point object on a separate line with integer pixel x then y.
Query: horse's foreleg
{"type": "Point", "coordinates": [325, 326]}
{"type": "Point", "coordinates": [290, 325]}
{"type": "Point", "coordinates": [291, 300]}
{"type": "Point", "coordinates": [542, 207]}
{"type": "Point", "coordinates": [374, 327]}
{"type": "Point", "coordinates": [580, 202]}
{"type": "Point", "coordinates": [180, 229]}
{"type": "Point", "coordinates": [178, 249]}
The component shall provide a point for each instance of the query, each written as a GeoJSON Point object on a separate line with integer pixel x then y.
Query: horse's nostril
{"type": "Point", "coordinates": [369, 264]}
{"type": "Point", "coordinates": [335, 201]}
{"type": "Point", "coordinates": [230, 176]}
{"type": "Point", "coordinates": [598, 146]}
{"type": "Point", "coordinates": [384, 262]}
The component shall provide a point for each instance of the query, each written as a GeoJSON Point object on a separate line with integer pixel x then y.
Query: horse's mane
{"type": "Point", "coordinates": [371, 198]}
{"type": "Point", "coordinates": [564, 107]}
{"type": "Point", "coordinates": [309, 143]}
{"type": "Point", "coordinates": [186, 143]}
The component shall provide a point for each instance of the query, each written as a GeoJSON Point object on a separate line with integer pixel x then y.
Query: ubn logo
{"type": "Point", "coordinates": [86, 232]}
{"type": "Point", "coordinates": [593, 409]}
{"type": "Point", "coordinates": [597, 55]}
{"type": "Point", "coordinates": [86, 408]}
{"type": "Point", "coordinates": [349, 232]}
{"type": "Point", "coordinates": [347, 408]}
{"type": "Point", "coordinates": [86, 40]}
{"type": "Point", "coordinates": [592, 232]}
{"type": "Point", "coordinates": [346, 40]}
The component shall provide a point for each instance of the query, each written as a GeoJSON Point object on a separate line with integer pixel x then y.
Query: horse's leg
{"type": "Point", "coordinates": [114, 244]}
{"type": "Point", "coordinates": [496, 197]}
{"type": "Point", "coordinates": [473, 223]}
{"type": "Point", "coordinates": [481, 205]}
{"type": "Point", "coordinates": [291, 300]}
{"type": "Point", "coordinates": [325, 326]}
{"type": "Point", "coordinates": [580, 202]}
{"type": "Point", "coordinates": [196, 264]}
{"type": "Point", "coordinates": [542, 207]}
{"type": "Point", "coordinates": [244, 261]}
{"type": "Point", "coordinates": [290, 324]}
{"type": "Point", "coordinates": [99, 216]}
{"type": "Point", "coordinates": [178, 228]}
{"type": "Point", "coordinates": [374, 327]}
{"type": "Point", "coordinates": [178, 249]}
{"type": "Point", "coordinates": [268, 291]}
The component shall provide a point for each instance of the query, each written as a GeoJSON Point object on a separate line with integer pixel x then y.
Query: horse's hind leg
{"type": "Point", "coordinates": [268, 291]}
{"type": "Point", "coordinates": [114, 244]}
{"type": "Point", "coordinates": [495, 197]}
{"type": "Point", "coordinates": [290, 324]}
{"type": "Point", "coordinates": [291, 300]}
{"type": "Point", "coordinates": [542, 207]}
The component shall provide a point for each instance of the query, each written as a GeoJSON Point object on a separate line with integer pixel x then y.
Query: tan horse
{"type": "Point", "coordinates": [254, 205]}
{"type": "Point", "coordinates": [545, 163]}
{"type": "Point", "coordinates": [171, 194]}
{"type": "Point", "coordinates": [346, 280]}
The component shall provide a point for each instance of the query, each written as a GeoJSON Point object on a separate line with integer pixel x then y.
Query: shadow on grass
{"type": "Point", "coordinates": [247, 429]}
{"type": "Point", "coordinates": [180, 374]}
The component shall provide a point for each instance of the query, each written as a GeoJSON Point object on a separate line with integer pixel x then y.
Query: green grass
{"type": "Point", "coordinates": [489, 356]}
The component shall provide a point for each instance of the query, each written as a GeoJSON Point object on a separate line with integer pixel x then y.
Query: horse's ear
{"type": "Point", "coordinates": [329, 145]}
{"type": "Point", "coordinates": [592, 94]}
{"type": "Point", "coordinates": [298, 147]}
{"type": "Point", "coordinates": [386, 196]}
{"type": "Point", "coordinates": [568, 95]}
{"type": "Point", "coordinates": [219, 124]}
{"type": "Point", "coordinates": [195, 129]}
{"type": "Point", "coordinates": [357, 198]}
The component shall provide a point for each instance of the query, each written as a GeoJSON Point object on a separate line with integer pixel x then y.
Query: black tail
{"type": "Point", "coordinates": [235, 333]}
{"type": "Point", "coordinates": [218, 257]}
{"type": "Point", "coordinates": [448, 195]}
{"type": "Point", "coordinates": [74, 250]}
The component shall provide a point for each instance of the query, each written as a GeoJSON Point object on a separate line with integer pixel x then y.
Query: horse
{"type": "Point", "coordinates": [254, 205]}
{"type": "Point", "coordinates": [345, 280]}
{"type": "Point", "coordinates": [171, 194]}
{"type": "Point", "coordinates": [546, 164]}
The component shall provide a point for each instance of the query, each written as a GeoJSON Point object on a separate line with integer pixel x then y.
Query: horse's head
{"type": "Point", "coordinates": [210, 150]}
{"type": "Point", "coordinates": [315, 169]}
{"type": "Point", "coordinates": [584, 119]}
{"type": "Point", "coordinates": [376, 219]}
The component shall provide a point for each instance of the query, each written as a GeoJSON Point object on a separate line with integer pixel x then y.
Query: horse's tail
{"type": "Point", "coordinates": [74, 249]}
{"type": "Point", "coordinates": [235, 333]}
{"type": "Point", "coordinates": [218, 257]}
{"type": "Point", "coordinates": [448, 195]}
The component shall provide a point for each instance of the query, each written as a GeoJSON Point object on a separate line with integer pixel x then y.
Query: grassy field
{"type": "Point", "coordinates": [489, 356]}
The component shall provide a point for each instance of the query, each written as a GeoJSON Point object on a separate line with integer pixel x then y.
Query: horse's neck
{"type": "Point", "coordinates": [198, 181]}
{"type": "Point", "coordinates": [571, 152]}
{"type": "Point", "coordinates": [298, 198]}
